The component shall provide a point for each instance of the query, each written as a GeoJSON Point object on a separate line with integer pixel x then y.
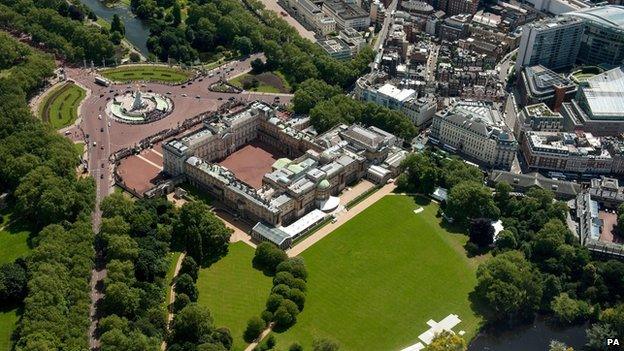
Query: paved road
{"type": "Point", "coordinates": [105, 136]}
{"type": "Point", "coordinates": [386, 25]}
{"type": "Point", "coordinates": [277, 8]}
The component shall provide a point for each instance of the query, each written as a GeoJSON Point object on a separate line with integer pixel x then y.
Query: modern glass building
{"type": "Point", "coordinates": [603, 37]}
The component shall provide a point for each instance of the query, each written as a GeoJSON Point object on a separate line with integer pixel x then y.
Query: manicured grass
{"type": "Point", "coordinates": [234, 291]}
{"type": "Point", "coordinates": [172, 259]}
{"type": "Point", "coordinates": [146, 73]}
{"type": "Point", "coordinates": [268, 82]}
{"type": "Point", "coordinates": [375, 281]}
{"type": "Point", "coordinates": [8, 323]}
{"type": "Point", "coordinates": [13, 241]}
{"type": "Point", "coordinates": [60, 108]}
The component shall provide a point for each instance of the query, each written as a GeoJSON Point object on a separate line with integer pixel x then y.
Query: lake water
{"type": "Point", "coordinates": [535, 337]}
{"type": "Point", "coordinates": [136, 32]}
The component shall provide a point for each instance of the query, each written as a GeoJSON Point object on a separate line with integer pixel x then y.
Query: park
{"type": "Point", "coordinates": [60, 107]}
{"type": "Point", "coordinates": [390, 268]}
{"type": "Point", "coordinates": [163, 74]}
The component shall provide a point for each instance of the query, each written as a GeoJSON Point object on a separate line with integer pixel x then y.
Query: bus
{"type": "Point", "coordinates": [102, 81]}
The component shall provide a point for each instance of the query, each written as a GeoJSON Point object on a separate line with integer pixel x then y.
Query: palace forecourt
{"type": "Point", "coordinates": [300, 189]}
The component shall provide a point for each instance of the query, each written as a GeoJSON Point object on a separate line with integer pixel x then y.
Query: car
{"type": "Point", "coordinates": [231, 98]}
{"type": "Point", "coordinates": [168, 93]}
{"type": "Point", "coordinates": [102, 165]}
{"type": "Point", "coordinates": [200, 80]}
{"type": "Point", "coordinates": [67, 132]}
{"type": "Point", "coordinates": [219, 98]}
{"type": "Point", "coordinates": [102, 147]}
{"type": "Point", "coordinates": [183, 95]}
{"type": "Point", "coordinates": [87, 136]}
{"type": "Point", "coordinates": [94, 143]}
{"type": "Point", "coordinates": [101, 130]}
{"type": "Point", "coordinates": [99, 116]}
{"type": "Point", "coordinates": [184, 86]}
{"type": "Point", "coordinates": [111, 91]}
{"type": "Point", "coordinates": [101, 95]}
{"type": "Point", "coordinates": [143, 85]}
{"type": "Point", "coordinates": [101, 176]}
{"type": "Point", "coordinates": [109, 123]}
{"type": "Point", "coordinates": [150, 91]}
{"type": "Point", "coordinates": [189, 83]}
{"type": "Point", "coordinates": [197, 97]}
{"type": "Point", "coordinates": [211, 75]}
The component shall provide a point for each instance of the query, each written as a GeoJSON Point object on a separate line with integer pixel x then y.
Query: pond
{"type": "Point", "coordinates": [532, 337]}
{"type": "Point", "coordinates": [136, 31]}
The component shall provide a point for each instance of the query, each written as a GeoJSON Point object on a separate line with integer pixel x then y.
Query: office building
{"type": "Point", "coordinates": [598, 107]}
{"type": "Point", "coordinates": [346, 15]}
{"type": "Point", "coordinates": [603, 37]}
{"type": "Point", "coordinates": [475, 130]}
{"type": "Point", "coordinates": [538, 84]}
{"type": "Point", "coordinates": [552, 43]}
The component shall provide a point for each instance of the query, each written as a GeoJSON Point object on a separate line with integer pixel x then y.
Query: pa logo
{"type": "Point", "coordinates": [613, 342]}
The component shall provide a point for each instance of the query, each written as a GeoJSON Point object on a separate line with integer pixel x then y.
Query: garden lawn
{"type": "Point", "coordinates": [172, 260]}
{"type": "Point", "coordinates": [13, 241]}
{"type": "Point", "coordinates": [268, 82]}
{"type": "Point", "coordinates": [375, 282]}
{"type": "Point", "coordinates": [146, 73]}
{"type": "Point", "coordinates": [8, 323]}
{"type": "Point", "coordinates": [60, 107]}
{"type": "Point", "coordinates": [234, 291]}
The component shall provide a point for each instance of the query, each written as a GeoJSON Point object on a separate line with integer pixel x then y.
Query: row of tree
{"type": "Point", "coordinates": [135, 237]}
{"type": "Point", "coordinates": [216, 28]}
{"type": "Point", "coordinates": [37, 169]}
{"type": "Point", "coordinates": [58, 25]}
{"type": "Point", "coordinates": [287, 297]}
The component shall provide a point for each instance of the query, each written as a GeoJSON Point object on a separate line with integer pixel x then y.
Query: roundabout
{"type": "Point", "coordinates": [138, 107]}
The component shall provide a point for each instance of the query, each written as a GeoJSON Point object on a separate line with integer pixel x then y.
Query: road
{"type": "Point", "coordinates": [432, 60]}
{"type": "Point", "coordinates": [105, 136]}
{"type": "Point", "coordinates": [383, 33]}
{"type": "Point", "coordinates": [277, 8]}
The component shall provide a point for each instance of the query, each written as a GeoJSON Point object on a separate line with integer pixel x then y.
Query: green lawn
{"type": "Point", "coordinates": [375, 282]}
{"type": "Point", "coordinates": [146, 73]}
{"type": "Point", "coordinates": [13, 241]}
{"type": "Point", "coordinates": [268, 82]}
{"type": "Point", "coordinates": [172, 259]}
{"type": "Point", "coordinates": [234, 291]}
{"type": "Point", "coordinates": [8, 323]}
{"type": "Point", "coordinates": [60, 108]}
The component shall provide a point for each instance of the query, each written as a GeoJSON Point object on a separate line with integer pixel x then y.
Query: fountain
{"type": "Point", "coordinates": [138, 107]}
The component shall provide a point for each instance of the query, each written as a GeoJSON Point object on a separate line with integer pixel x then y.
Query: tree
{"type": "Point", "coordinates": [468, 200]}
{"type": "Point", "coordinates": [502, 196]}
{"type": "Point", "coordinates": [189, 267]}
{"type": "Point", "coordinates": [206, 237]}
{"type": "Point", "coordinates": [447, 341]}
{"type": "Point", "coordinates": [294, 266]}
{"type": "Point", "coordinates": [257, 66]}
{"type": "Point", "coordinates": [193, 324]}
{"type": "Point", "coordinates": [311, 92]}
{"type": "Point", "coordinates": [268, 256]}
{"type": "Point", "coordinates": [13, 281]}
{"type": "Point", "coordinates": [568, 310]}
{"type": "Point", "coordinates": [121, 299]}
{"type": "Point", "coordinates": [421, 175]}
{"type": "Point", "coordinates": [255, 326]}
{"type": "Point", "coordinates": [122, 248]}
{"type": "Point", "coordinates": [323, 344]}
{"type": "Point", "coordinates": [176, 12]}
{"type": "Point", "coordinates": [181, 301]}
{"type": "Point", "coordinates": [116, 204]}
{"type": "Point", "coordinates": [117, 25]}
{"type": "Point", "coordinates": [184, 284]}
{"type": "Point", "coordinates": [481, 232]}
{"type": "Point", "coordinates": [558, 346]}
{"type": "Point", "coordinates": [620, 219]}
{"type": "Point", "coordinates": [295, 347]}
{"type": "Point", "coordinates": [597, 334]}
{"type": "Point", "coordinates": [508, 288]}
{"type": "Point", "coordinates": [506, 240]}
{"type": "Point", "coordinates": [243, 45]}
